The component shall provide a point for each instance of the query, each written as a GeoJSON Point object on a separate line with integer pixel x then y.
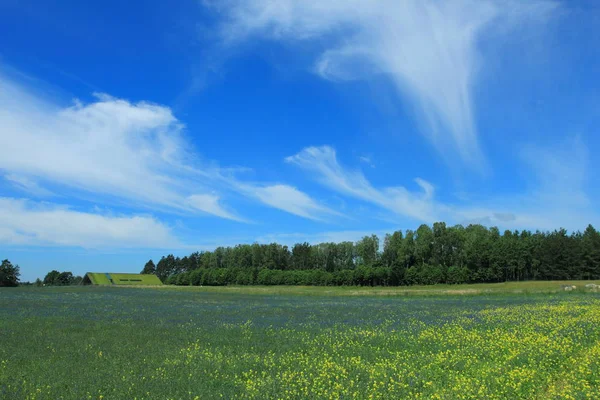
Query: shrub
{"type": "Point", "coordinates": [457, 275]}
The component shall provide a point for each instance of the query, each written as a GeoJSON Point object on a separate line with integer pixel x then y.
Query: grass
{"type": "Point", "coordinates": [253, 342]}
{"type": "Point", "coordinates": [102, 278]}
{"type": "Point", "coordinates": [435, 290]}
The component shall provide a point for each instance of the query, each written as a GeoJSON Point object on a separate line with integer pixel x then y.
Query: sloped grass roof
{"type": "Point", "coordinates": [112, 278]}
{"type": "Point", "coordinates": [98, 278]}
{"type": "Point", "coordinates": [135, 279]}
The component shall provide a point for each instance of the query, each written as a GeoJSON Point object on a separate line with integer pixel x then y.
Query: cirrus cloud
{"type": "Point", "coordinates": [429, 49]}
{"type": "Point", "coordinates": [557, 196]}
{"type": "Point", "coordinates": [113, 150]}
{"type": "Point", "coordinates": [25, 222]}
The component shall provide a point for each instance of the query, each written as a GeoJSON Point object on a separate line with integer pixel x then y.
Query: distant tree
{"type": "Point", "coordinates": [149, 268]}
{"type": "Point", "coordinates": [51, 278]}
{"type": "Point", "coordinates": [456, 275]}
{"type": "Point", "coordinates": [590, 253]}
{"type": "Point", "coordinates": [477, 251]}
{"type": "Point", "coordinates": [38, 282]}
{"type": "Point", "coordinates": [441, 249]}
{"type": "Point", "coordinates": [166, 267]}
{"type": "Point", "coordinates": [393, 256]}
{"type": "Point", "coordinates": [367, 249]}
{"type": "Point", "coordinates": [555, 256]}
{"type": "Point", "coordinates": [65, 279]}
{"type": "Point", "coordinates": [9, 274]}
{"type": "Point", "coordinates": [346, 254]}
{"type": "Point", "coordinates": [301, 256]}
{"type": "Point", "coordinates": [429, 255]}
{"type": "Point", "coordinates": [407, 249]}
{"type": "Point", "coordinates": [56, 278]}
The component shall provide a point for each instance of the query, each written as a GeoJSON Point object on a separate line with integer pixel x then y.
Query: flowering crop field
{"type": "Point", "coordinates": [128, 343]}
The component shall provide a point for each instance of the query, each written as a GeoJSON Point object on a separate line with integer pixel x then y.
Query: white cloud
{"type": "Point", "coordinates": [120, 150]}
{"type": "Point", "coordinates": [367, 160]}
{"type": "Point", "coordinates": [292, 200]}
{"type": "Point", "coordinates": [110, 147]}
{"type": "Point", "coordinates": [27, 185]}
{"type": "Point", "coordinates": [25, 222]}
{"type": "Point", "coordinates": [428, 48]}
{"type": "Point", "coordinates": [557, 196]}
{"type": "Point", "coordinates": [210, 204]}
{"type": "Point", "coordinates": [323, 161]}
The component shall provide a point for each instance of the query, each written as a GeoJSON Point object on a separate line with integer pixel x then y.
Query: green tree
{"type": "Point", "coordinates": [301, 254]}
{"type": "Point", "coordinates": [590, 254]}
{"type": "Point", "coordinates": [242, 255]}
{"type": "Point", "coordinates": [65, 278]}
{"type": "Point", "coordinates": [457, 275]}
{"type": "Point", "coordinates": [407, 250]}
{"type": "Point", "coordinates": [441, 251]}
{"type": "Point", "coordinates": [393, 256]}
{"type": "Point", "coordinates": [9, 274]}
{"type": "Point", "coordinates": [271, 259]}
{"type": "Point", "coordinates": [149, 268]}
{"type": "Point", "coordinates": [424, 244]}
{"type": "Point", "coordinates": [430, 255]}
{"type": "Point", "coordinates": [367, 249]}
{"type": "Point", "coordinates": [346, 253]}
{"type": "Point", "coordinates": [257, 255]}
{"type": "Point", "coordinates": [166, 267]}
{"type": "Point", "coordinates": [51, 278]}
{"type": "Point", "coordinates": [477, 253]}
{"type": "Point", "coordinates": [556, 255]}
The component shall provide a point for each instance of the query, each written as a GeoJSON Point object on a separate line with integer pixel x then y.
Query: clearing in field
{"type": "Point", "coordinates": [186, 344]}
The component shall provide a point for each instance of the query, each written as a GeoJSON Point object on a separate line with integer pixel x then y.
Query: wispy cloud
{"type": "Point", "coordinates": [558, 193]}
{"type": "Point", "coordinates": [323, 161]}
{"type": "Point", "coordinates": [116, 149]}
{"type": "Point", "coordinates": [131, 151]}
{"type": "Point", "coordinates": [24, 222]}
{"type": "Point", "coordinates": [557, 196]}
{"type": "Point", "coordinates": [561, 171]}
{"type": "Point", "coordinates": [429, 49]}
{"type": "Point", "coordinates": [27, 185]}
{"type": "Point", "coordinates": [210, 204]}
{"type": "Point", "coordinates": [292, 200]}
{"type": "Point", "coordinates": [367, 160]}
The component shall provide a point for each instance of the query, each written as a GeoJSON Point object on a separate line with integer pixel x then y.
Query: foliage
{"type": "Point", "coordinates": [9, 274]}
{"type": "Point", "coordinates": [457, 275]}
{"type": "Point", "coordinates": [149, 268]}
{"type": "Point", "coordinates": [56, 278]}
{"type": "Point", "coordinates": [429, 255]}
{"type": "Point", "coordinates": [198, 344]}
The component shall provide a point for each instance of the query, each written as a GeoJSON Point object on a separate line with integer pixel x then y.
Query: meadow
{"type": "Point", "coordinates": [504, 342]}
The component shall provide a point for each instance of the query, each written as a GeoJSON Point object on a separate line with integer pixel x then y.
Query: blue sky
{"type": "Point", "coordinates": [130, 130]}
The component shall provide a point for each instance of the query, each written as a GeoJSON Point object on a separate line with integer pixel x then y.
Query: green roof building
{"type": "Point", "coordinates": [112, 278]}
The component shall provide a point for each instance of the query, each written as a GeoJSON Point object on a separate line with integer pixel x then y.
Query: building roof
{"type": "Point", "coordinates": [117, 278]}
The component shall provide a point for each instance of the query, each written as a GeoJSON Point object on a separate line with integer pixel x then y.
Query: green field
{"type": "Point", "coordinates": [508, 341]}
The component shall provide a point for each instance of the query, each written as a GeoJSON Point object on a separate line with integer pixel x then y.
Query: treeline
{"type": "Point", "coordinates": [57, 278]}
{"type": "Point", "coordinates": [429, 255]}
{"type": "Point", "coordinates": [9, 274]}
